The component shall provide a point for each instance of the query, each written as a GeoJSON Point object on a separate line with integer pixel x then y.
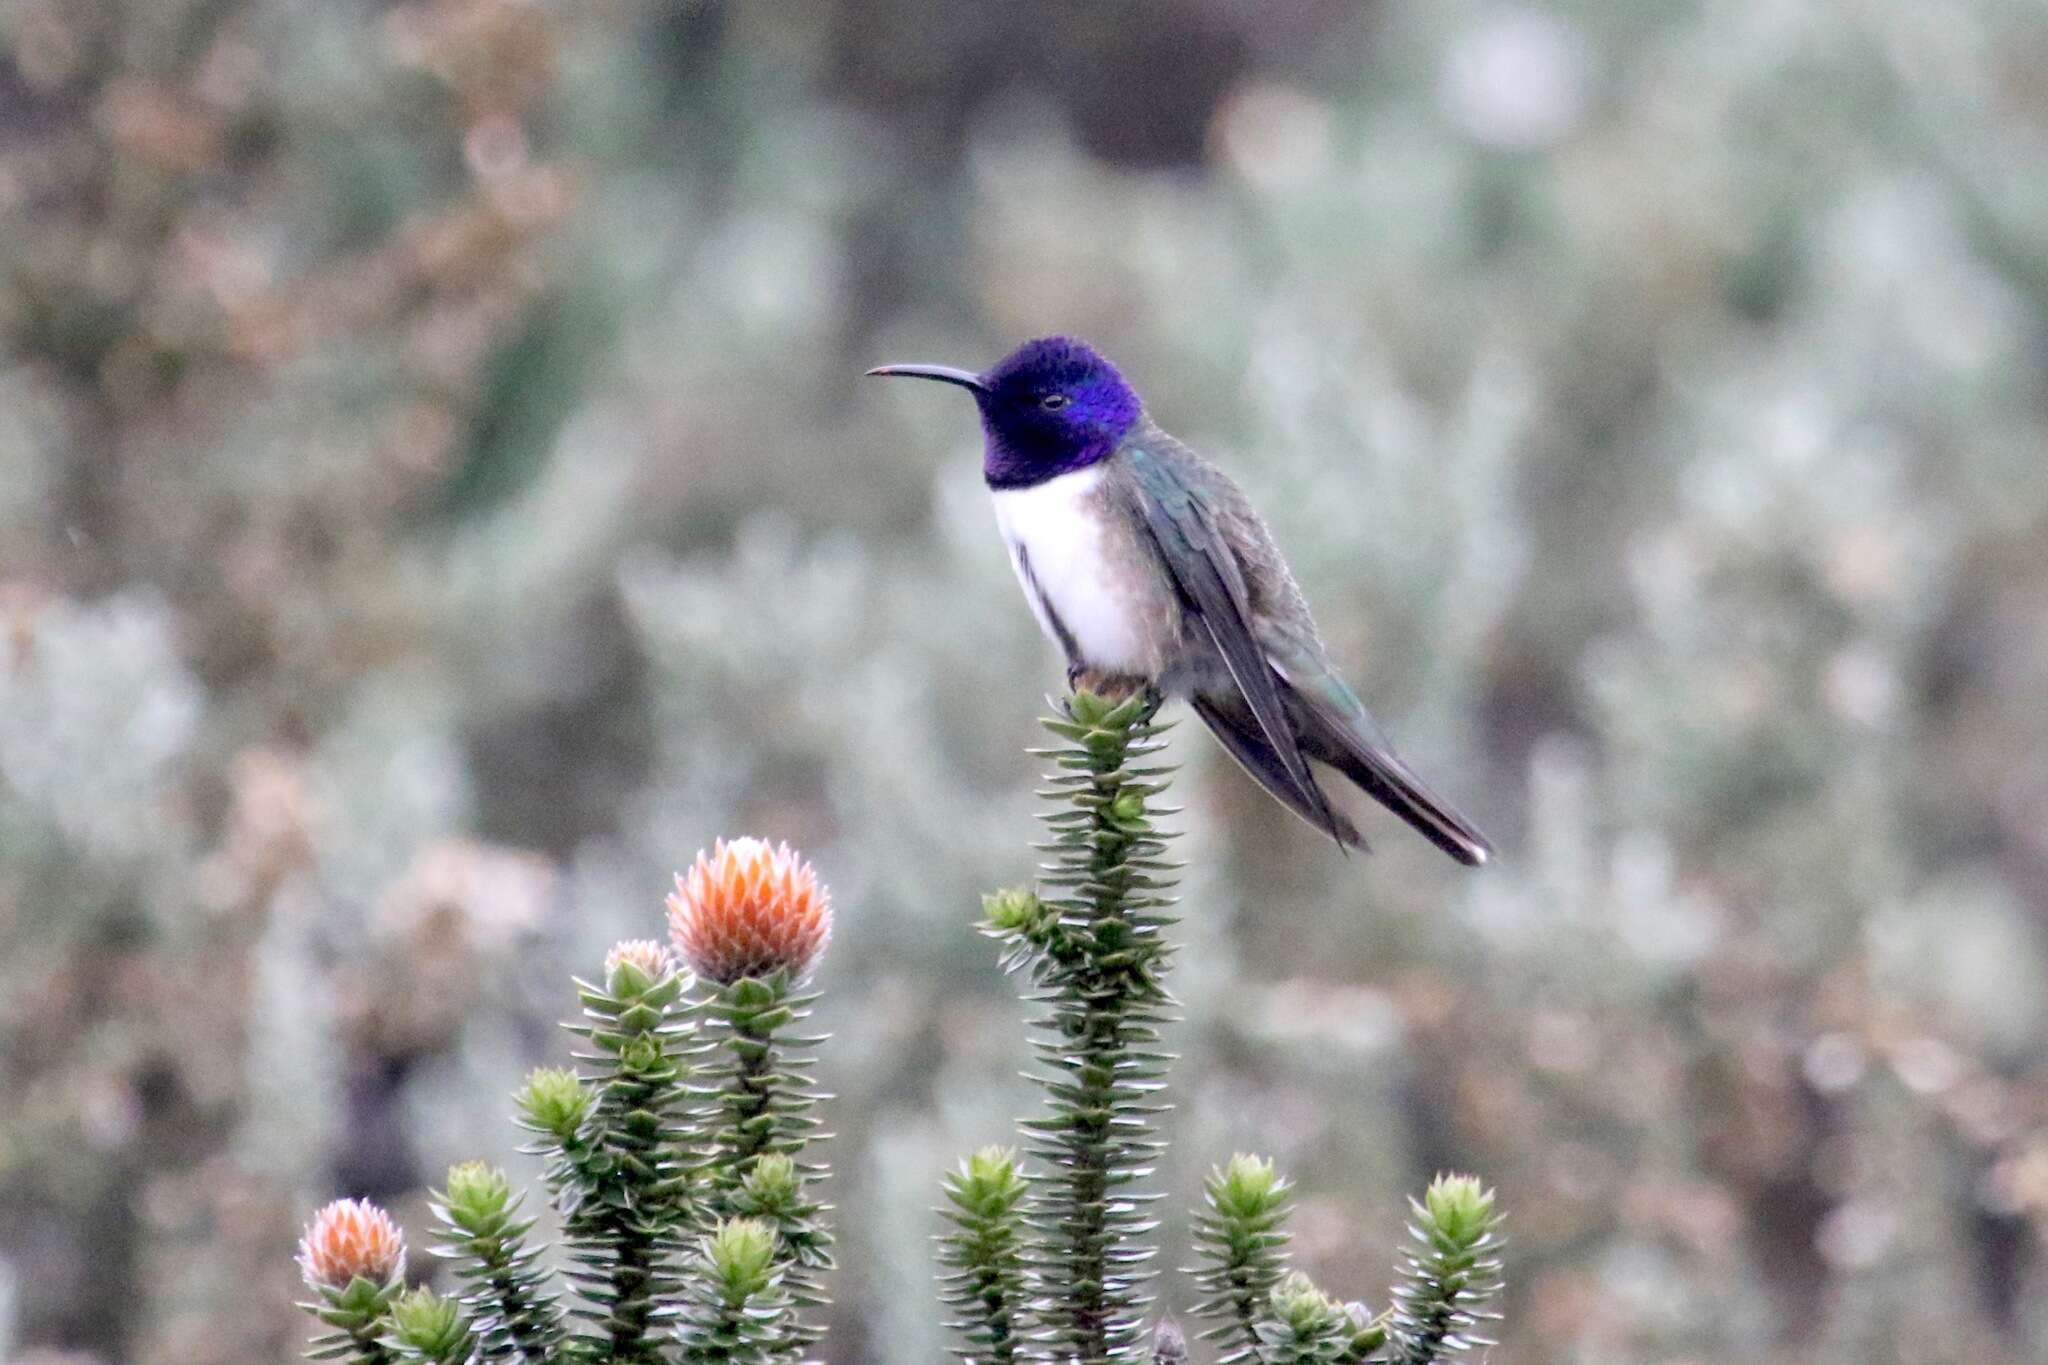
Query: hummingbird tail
{"type": "Point", "coordinates": [1333, 728]}
{"type": "Point", "coordinates": [1242, 739]}
{"type": "Point", "coordinates": [1388, 781]}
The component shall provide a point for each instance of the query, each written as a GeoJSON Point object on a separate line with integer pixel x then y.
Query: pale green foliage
{"type": "Point", "coordinates": [1448, 1284]}
{"type": "Point", "coordinates": [554, 1101]}
{"type": "Point", "coordinates": [1093, 946]}
{"type": "Point", "coordinates": [429, 1327]}
{"type": "Point", "coordinates": [732, 1313]}
{"type": "Point", "coordinates": [1450, 1274]}
{"type": "Point", "coordinates": [676, 1181]}
{"type": "Point", "coordinates": [512, 1309]}
{"type": "Point", "coordinates": [624, 1178]}
{"type": "Point", "coordinates": [356, 1316]}
{"type": "Point", "coordinates": [1304, 1326]}
{"type": "Point", "coordinates": [690, 1233]}
{"type": "Point", "coordinates": [760, 1117]}
{"type": "Point", "coordinates": [983, 1256]}
{"type": "Point", "coordinates": [1241, 1236]}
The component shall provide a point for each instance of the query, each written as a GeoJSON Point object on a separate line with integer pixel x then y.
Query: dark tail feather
{"type": "Point", "coordinates": [1388, 781]}
{"type": "Point", "coordinates": [1241, 736]}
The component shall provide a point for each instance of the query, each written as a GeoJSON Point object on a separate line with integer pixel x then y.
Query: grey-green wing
{"type": "Point", "coordinates": [1182, 523]}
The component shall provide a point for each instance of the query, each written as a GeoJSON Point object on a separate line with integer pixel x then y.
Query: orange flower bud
{"type": "Point", "coordinates": [749, 909]}
{"type": "Point", "coordinates": [351, 1237]}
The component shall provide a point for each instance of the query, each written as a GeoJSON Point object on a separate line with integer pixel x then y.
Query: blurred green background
{"type": "Point", "coordinates": [437, 497]}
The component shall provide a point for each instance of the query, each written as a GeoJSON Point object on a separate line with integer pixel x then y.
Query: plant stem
{"type": "Point", "coordinates": [1107, 1000]}
{"type": "Point", "coordinates": [762, 1108]}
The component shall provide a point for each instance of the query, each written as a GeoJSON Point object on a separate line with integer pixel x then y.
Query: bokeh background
{"type": "Point", "coordinates": [437, 496]}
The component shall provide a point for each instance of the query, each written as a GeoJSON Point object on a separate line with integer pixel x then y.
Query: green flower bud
{"type": "Point", "coordinates": [988, 1183]}
{"type": "Point", "coordinates": [555, 1101]}
{"type": "Point", "coordinates": [1456, 1212]}
{"type": "Point", "coordinates": [1012, 910]}
{"type": "Point", "coordinates": [1307, 1311]}
{"type": "Point", "coordinates": [742, 1254]}
{"type": "Point", "coordinates": [773, 1185]}
{"type": "Point", "coordinates": [1128, 806]}
{"type": "Point", "coordinates": [477, 1198]}
{"type": "Point", "coordinates": [429, 1323]}
{"type": "Point", "coordinates": [642, 1053]}
{"type": "Point", "coordinates": [1448, 1280]}
{"type": "Point", "coordinates": [1247, 1188]}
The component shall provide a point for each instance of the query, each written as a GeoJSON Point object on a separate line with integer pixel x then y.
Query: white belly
{"type": "Point", "coordinates": [1054, 534]}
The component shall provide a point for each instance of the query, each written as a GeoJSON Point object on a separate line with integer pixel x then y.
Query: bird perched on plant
{"type": "Point", "coordinates": [1149, 568]}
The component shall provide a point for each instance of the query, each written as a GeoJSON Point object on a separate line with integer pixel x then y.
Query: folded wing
{"type": "Point", "coordinates": [1211, 586]}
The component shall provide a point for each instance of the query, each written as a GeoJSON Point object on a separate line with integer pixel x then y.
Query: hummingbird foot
{"type": "Point", "coordinates": [1108, 686]}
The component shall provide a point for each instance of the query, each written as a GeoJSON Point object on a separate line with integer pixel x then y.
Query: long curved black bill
{"type": "Point", "coordinates": [945, 374]}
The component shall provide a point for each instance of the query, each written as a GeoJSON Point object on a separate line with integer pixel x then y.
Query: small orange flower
{"type": "Point", "coordinates": [351, 1237]}
{"type": "Point", "coordinates": [749, 909]}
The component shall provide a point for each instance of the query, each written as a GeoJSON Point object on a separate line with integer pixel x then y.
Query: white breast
{"type": "Point", "coordinates": [1054, 532]}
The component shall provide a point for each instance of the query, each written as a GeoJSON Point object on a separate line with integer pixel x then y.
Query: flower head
{"type": "Point", "coordinates": [634, 965]}
{"type": "Point", "coordinates": [351, 1238]}
{"type": "Point", "coordinates": [749, 909]}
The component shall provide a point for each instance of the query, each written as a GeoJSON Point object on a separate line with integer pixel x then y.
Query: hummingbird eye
{"type": "Point", "coordinates": [1053, 402]}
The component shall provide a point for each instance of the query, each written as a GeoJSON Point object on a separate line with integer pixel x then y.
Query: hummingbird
{"type": "Point", "coordinates": [1149, 568]}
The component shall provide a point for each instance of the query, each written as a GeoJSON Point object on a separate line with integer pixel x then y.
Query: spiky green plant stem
{"type": "Point", "coordinates": [624, 1185]}
{"type": "Point", "coordinates": [1241, 1237]}
{"type": "Point", "coordinates": [734, 1305]}
{"type": "Point", "coordinates": [983, 1255]}
{"type": "Point", "coordinates": [1449, 1277]}
{"type": "Point", "coordinates": [760, 1087]}
{"type": "Point", "coordinates": [513, 1316]}
{"type": "Point", "coordinates": [1097, 960]}
{"type": "Point", "coordinates": [358, 1316]}
{"type": "Point", "coordinates": [759, 1122]}
{"type": "Point", "coordinates": [776, 1193]}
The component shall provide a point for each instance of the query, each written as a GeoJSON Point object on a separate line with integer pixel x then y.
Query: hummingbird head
{"type": "Point", "coordinates": [1050, 407]}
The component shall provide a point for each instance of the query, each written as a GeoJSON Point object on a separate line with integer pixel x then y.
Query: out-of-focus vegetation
{"type": "Point", "coordinates": [436, 497]}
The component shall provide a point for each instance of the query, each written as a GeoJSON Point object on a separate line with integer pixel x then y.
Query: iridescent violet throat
{"type": "Point", "coordinates": [1149, 568]}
